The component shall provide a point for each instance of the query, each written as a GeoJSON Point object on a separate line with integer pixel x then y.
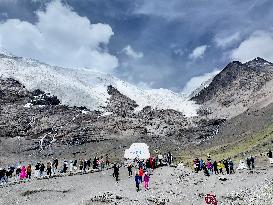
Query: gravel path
{"type": "Point", "coordinates": [168, 186]}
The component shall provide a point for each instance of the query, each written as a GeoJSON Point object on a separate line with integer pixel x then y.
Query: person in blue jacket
{"type": "Point", "coordinates": [137, 180]}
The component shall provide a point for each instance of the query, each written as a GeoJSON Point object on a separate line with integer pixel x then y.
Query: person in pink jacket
{"type": "Point", "coordinates": [23, 173]}
{"type": "Point", "coordinates": [146, 180]}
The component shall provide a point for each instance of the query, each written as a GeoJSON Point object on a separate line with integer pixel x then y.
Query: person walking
{"type": "Point", "coordinates": [116, 172]}
{"type": "Point", "coordinates": [49, 169]}
{"type": "Point", "coordinates": [248, 163]}
{"type": "Point", "coordinates": [220, 167]}
{"type": "Point", "coordinates": [231, 167]}
{"type": "Point", "coordinates": [71, 166]}
{"type": "Point", "coordinates": [201, 165]}
{"type": "Point", "coordinates": [65, 168]}
{"type": "Point", "coordinates": [29, 171]}
{"type": "Point", "coordinates": [81, 165]}
{"type": "Point", "coordinates": [75, 165]}
{"type": "Point", "coordinates": [3, 176]}
{"type": "Point", "coordinates": [252, 162]}
{"type": "Point", "coordinates": [84, 166]}
{"type": "Point", "coordinates": [102, 163]}
{"type": "Point", "coordinates": [130, 171]}
{"type": "Point", "coordinates": [225, 162]}
{"type": "Point", "coordinates": [55, 165]}
{"type": "Point", "coordinates": [42, 169]}
{"type": "Point", "coordinates": [95, 163]}
{"type": "Point", "coordinates": [23, 173]}
{"type": "Point", "coordinates": [18, 172]}
{"type": "Point", "coordinates": [140, 173]}
{"type": "Point", "coordinates": [137, 180]}
{"type": "Point", "coordinates": [215, 167]}
{"type": "Point", "coordinates": [37, 170]}
{"type": "Point", "coordinates": [107, 161]}
{"type": "Point", "coordinates": [89, 163]}
{"type": "Point", "coordinates": [146, 181]}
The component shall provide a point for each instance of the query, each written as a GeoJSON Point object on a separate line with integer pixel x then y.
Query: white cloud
{"type": "Point", "coordinates": [60, 37]}
{"type": "Point", "coordinates": [198, 52]}
{"type": "Point", "coordinates": [199, 82]}
{"type": "Point", "coordinates": [225, 41]}
{"type": "Point", "coordinates": [259, 44]}
{"type": "Point", "coordinates": [129, 51]}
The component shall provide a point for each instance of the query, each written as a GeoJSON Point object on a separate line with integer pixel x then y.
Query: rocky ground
{"type": "Point", "coordinates": [168, 185]}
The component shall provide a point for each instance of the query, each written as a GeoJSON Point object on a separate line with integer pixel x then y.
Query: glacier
{"type": "Point", "coordinates": [86, 87]}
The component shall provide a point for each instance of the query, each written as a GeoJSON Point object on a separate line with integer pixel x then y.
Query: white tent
{"type": "Point", "coordinates": [242, 165]}
{"type": "Point", "coordinates": [137, 150]}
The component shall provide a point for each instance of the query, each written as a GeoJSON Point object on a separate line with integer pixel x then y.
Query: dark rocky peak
{"type": "Point", "coordinates": [259, 63]}
{"type": "Point", "coordinates": [237, 76]}
{"type": "Point", "coordinates": [12, 90]}
{"type": "Point", "coordinates": [119, 104]}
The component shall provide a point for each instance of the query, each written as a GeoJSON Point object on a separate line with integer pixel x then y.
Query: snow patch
{"type": "Point", "coordinates": [28, 105]}
{"type": "Point", "coordinates": [85, 112]}
{"type": "Point", "coordinates": [106, 114]}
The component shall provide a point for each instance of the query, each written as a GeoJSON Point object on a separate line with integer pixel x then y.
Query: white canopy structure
{"type": "Point", "coordinates": [137, 150]}
{"type": "Point", "coordinates": [242, 165]}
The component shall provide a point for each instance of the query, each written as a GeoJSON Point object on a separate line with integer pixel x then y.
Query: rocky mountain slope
{"type": "Point", "coordinates": [36, 124]}
{"type": "Point", "coordinates": [237, 88]}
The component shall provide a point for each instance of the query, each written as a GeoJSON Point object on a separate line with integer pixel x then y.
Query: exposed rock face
{"type": "Point", "coordinates": [12, 91]}
{"type": "Point", "coordinates": [120, 104]}
{"type": "Point", "coordinates": [238, 86]}
{"type": "Point", "coordinates": [41, 98]}
{"type": "Point", "coordinates": [41, 122]}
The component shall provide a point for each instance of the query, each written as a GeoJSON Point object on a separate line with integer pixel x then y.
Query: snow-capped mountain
{"type": "Point", "coordinates": [84, 87]}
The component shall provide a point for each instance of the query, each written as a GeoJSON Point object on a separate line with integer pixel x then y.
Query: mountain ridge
{"type": "Point", "coordinates": [238, 87]}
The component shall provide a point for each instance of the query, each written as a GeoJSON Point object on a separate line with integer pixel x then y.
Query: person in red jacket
{"type": "Point", "coordinates": [140, 173]}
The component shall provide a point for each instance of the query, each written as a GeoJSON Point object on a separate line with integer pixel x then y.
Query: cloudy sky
{"type": "Point", "coordinates": [171, 44]}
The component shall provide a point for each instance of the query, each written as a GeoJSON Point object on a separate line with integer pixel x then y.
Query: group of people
{"type": "Point", "coordinates": [213, 167]}
{"type": "Point", "coordinates": [223, 166]}
{"type": "Point", "coordinates": [144, 168]}
{"type": "Point", "coordinates": [53, 167]}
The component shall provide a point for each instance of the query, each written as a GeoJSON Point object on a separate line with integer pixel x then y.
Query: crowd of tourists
{"type": "Point", "coordinates": [213, 167]}
{"type": "Point", "coordinates": [143, 168]}
{"type": "Point", "coordinates": [225, 166]}
{"type": "Point", "coordinates": [53, 167]}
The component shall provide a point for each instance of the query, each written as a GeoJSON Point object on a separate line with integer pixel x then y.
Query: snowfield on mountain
{"type": "Point", "coordinates": [85, 87]}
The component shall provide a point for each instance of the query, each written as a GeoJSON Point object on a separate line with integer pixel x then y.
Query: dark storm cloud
{"type": "Point", "coordinates": [166, 33]}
